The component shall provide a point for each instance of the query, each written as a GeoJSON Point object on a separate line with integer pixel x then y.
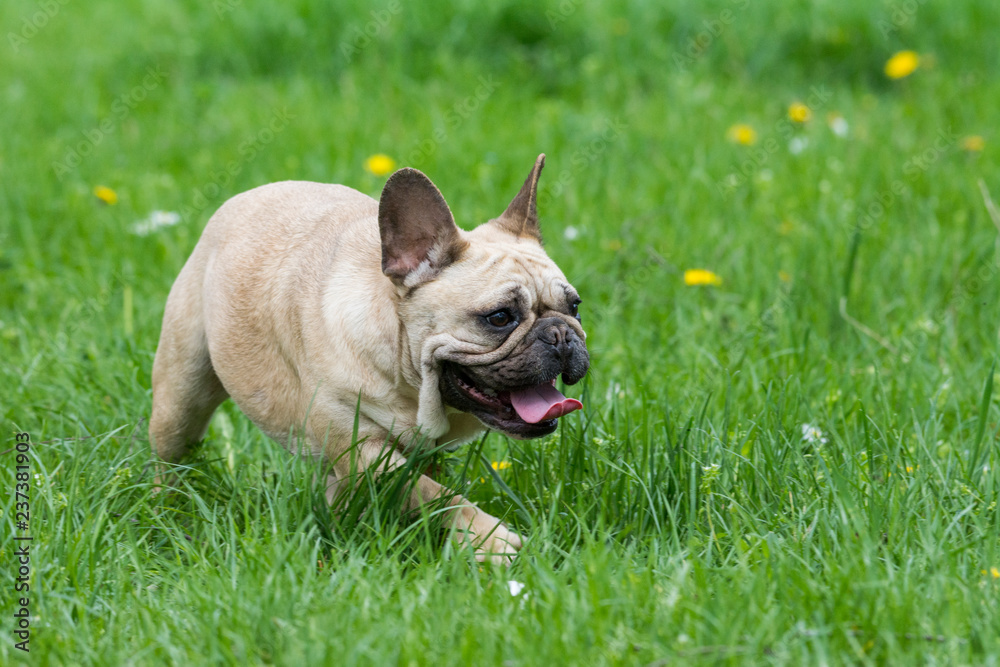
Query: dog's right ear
{"type": "Point", "coordinates": [419, 234]}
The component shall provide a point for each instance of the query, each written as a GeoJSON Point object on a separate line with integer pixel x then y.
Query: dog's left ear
{"type": "Point", "coordinates": [521, 217]}
{"type": "Point", "coordinates": [419, 234]}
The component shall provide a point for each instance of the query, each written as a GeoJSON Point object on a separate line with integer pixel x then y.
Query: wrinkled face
{"type": "Point", "coordinates": [490, 321]}
{"type": "Point", "coordinates": [500, 325]}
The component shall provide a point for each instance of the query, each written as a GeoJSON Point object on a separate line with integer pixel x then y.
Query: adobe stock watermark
{"type": "Point", "coordinates": [460, 112]}
{"type": "Point", "coordinates": [945, 142]}
{"type": "Point", "coordinates": [90, 308]}
{"type": "Point", "coordinates": [34, 23]}
{"type": "Point", "coordinates": [360, 37]}
{"type": "Point", "coordinates": [561, 14]}
{"type": "Point", "coordinates": [223, 7]}
{"type": "Point", "coordinates": [915, 165]}
{"type": "Point", "coordinates": [712, 29]}
{"type": "Point", "coordinates": [757, 157]}
{"type": "Point", "coordinates": [120, 109]}
{"type": "Point", "coordinates": [594, 318]}
{"type": "Point", "coordinates": [901, 13]}
{"type": "Point", "coordinates": [966, 289]}
{"type": "Point", "coordinates": [610, 129]}
{"type": "Point", "coordinates": [22, 540]}
{"type": "Point", "coordinates": [248, 149]}
{"type": "Point", "coordinates": [764, 325]}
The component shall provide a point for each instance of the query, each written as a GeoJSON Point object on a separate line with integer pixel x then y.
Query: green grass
{"type": "Point", "coordinates": [873, 547]}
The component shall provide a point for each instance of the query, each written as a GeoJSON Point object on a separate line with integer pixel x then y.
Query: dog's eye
{"type": "Point", "coordinates": [500, 318]}
{"type": "Point", "coordinates": [574, 309]}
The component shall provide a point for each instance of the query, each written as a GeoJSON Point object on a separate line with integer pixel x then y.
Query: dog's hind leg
{"type": "Point", "coordinates": [186, 389]}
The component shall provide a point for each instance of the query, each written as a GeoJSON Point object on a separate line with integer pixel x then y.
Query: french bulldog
{"type": "Point", "coordinates": [313, 306]}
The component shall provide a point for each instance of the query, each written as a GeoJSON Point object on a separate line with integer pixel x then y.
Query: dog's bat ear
{"type": "Point", "coordinates": [419, 234]}
{"type": "Point", "coordinates": [521, 217]}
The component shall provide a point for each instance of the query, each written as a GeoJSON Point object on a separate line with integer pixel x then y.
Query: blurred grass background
{"type": "Point", "coordinates": [859, 295]}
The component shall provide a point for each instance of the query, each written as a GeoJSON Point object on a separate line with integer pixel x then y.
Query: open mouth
{"type": "Point", "coordinates": [522, 412]}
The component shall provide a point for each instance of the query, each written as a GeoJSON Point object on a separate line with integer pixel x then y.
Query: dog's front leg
{"type": "Point", "coordinates": [492, 540]}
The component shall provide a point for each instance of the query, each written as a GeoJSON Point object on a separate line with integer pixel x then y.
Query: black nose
{"type": "Point", "coordinates": [557, 336]}
{"type": "Point", "coordinates": [567, 349]}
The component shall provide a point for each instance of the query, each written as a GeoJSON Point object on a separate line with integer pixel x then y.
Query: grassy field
{"type": "Point", "coordinates": [798, 465]}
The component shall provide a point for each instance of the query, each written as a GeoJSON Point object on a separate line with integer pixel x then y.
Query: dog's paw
{"type": "Point", "coordinates": [499, 548]}
{"type": "Point", "coordinates": [492, 541]}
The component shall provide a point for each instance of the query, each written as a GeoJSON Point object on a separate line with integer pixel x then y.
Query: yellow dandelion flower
{"type": "Point", "coordinates": [500, 465]}
{"type": "Point", "coordinates": [742, 134]}
{"type": "Point", "coordinates": [701, 277]}
{"type": "Point", "coordinates": [106, 195]}
{"type": "Point", "coordinates": [380, 164]}
{"type": "Point", "coordinates": [799, 113]}
{"type": "Point", "coordinates": [973, 143]}
{"type": "Point", "coordinates": [995, 573]}
{"type": "Point", "coordinates": [784, 276]}
{"type": "Point", "coordinates": [902, 64]}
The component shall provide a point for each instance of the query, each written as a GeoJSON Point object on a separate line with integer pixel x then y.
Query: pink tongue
{"type": "Point", "coordinates": [536, 404]}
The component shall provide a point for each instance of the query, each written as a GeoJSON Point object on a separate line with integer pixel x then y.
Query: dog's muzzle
{"type": "Point", "coordinates": [518, 395]}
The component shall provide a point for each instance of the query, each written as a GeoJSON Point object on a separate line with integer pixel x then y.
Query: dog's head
{"type": "Point", "coordinates": [489, 321]}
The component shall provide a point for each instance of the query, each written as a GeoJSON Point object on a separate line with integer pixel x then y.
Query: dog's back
{"type": "Point", "coordinates": [239, 316]}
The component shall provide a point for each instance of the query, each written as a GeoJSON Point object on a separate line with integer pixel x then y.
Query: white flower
{"type": "Point", "coordinates": [797, 145]}
{"type": "Point", "coordinates": [813, 435]}
{"type": "Point", "coordinates": [156, 220]}
{"type": "Point", "coordinates": [709, 475]}
{"type": "Point", "coordinates": [839, 126]}
{"type": "Point", "coordinates": [571, 233]}
{"type": "Point", "coordinates": [615, 389]}
{"type": "Point", "coordinates": [515, 587]}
